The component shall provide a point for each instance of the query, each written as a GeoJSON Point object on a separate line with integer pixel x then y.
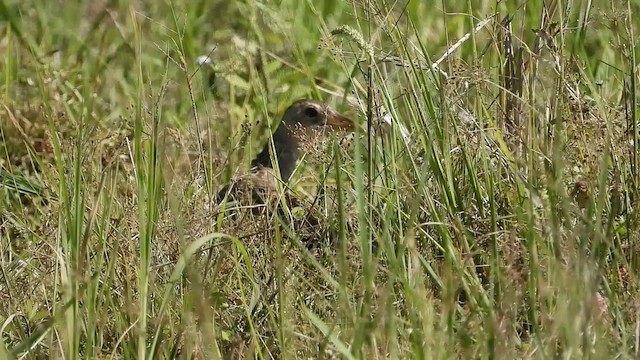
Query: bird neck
{"type": "Point", "coordinates": [286, 151]}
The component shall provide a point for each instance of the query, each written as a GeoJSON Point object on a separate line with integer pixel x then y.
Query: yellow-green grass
{"type": "Point", "coordinates": [503, 226]}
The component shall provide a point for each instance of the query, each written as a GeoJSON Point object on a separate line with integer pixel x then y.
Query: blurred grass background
{"type": "Point", "coordinates": [500, 224]}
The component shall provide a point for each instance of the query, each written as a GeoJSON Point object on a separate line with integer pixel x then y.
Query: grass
{"type": "Point", "coordinates": [482, 209]}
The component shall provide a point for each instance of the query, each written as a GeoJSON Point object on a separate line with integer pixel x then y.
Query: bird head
{"type": "Point", "coordinates": [314, 115]}
{"type": "Point", "coordinates": [302, 125]}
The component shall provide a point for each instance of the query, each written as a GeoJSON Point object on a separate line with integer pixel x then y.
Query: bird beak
{"type": "Point", "coordinates": [338, 121]}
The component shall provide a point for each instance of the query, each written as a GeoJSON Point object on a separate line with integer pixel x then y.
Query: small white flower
{"type": "Point", "coordinates": [203, 60]}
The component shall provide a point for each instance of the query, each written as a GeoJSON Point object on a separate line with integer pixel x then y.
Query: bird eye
{"type": "Point", "coordinates": [311, 112]}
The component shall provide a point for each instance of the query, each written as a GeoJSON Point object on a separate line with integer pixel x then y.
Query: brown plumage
{"type": "Point", "coordinates": [303, 119]}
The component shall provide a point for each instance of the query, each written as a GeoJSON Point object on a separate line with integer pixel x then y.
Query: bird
{"type": "Point", "coordinates": [301, 121]}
